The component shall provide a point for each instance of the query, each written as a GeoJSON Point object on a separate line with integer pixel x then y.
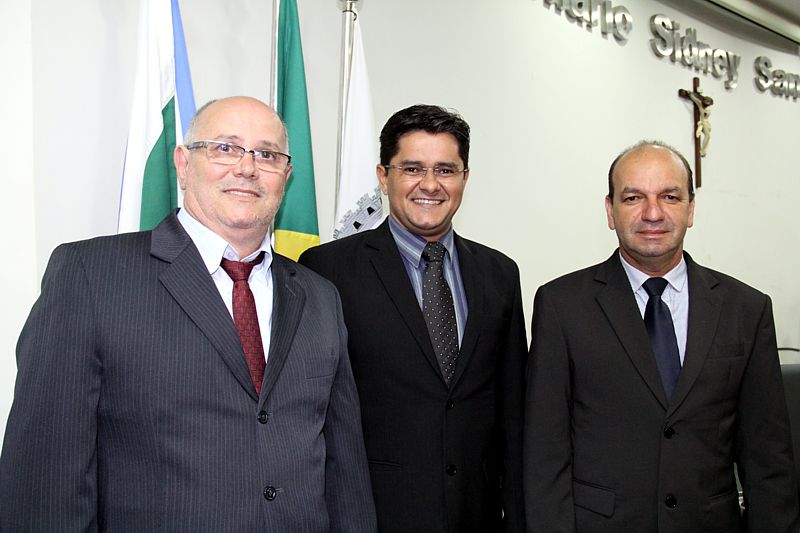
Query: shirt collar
{"type": "Point", "coordinates": [411, 245]}
{"type": "Point", "coordinates": [213, 248]}
{"type": "Point", "coordinates": [675, 277]}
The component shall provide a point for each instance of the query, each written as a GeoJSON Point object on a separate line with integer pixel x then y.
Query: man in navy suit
{"type": "Point", "coordinates": [161, 390]}
{"type": "Point", "coordinates": [442, 407]}
{"type": "Point", "coordinates": [650, 376]}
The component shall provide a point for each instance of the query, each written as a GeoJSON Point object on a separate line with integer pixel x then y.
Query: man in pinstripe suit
{"type": "Point", "coordinates": [134, 407]}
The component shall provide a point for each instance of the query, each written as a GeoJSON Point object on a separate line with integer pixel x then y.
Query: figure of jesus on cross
{"type": "Point", "coordinates": [702, 120]}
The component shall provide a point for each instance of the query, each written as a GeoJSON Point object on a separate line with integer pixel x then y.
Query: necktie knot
{"type": "Point", "coordinates": [434, 252]}
{"type": "Point", "coordinates": [240, 270]}
{"type": "Point", "coordinates": [655, 286]}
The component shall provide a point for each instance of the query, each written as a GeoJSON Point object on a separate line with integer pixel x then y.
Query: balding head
{"type": "Point", "coordinates": [201, 116]}
{"type": "Point", "coordinates": [650, 145]}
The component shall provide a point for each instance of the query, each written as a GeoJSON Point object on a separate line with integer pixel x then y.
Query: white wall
{"type": "Point", "coordinates": [18, 274]}
{"type": "Point", "coordinates": [549, 102]}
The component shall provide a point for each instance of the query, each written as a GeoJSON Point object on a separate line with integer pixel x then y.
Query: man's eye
{"type": "Point", "coordinates": [223, 148]}
{"type": "Point", "coordinates": [443, 171]}
{"type": "Point", "coordinates": [412, 170]}
{"type": "Point", "coordinates": [266, 155]}
{"type": "Point", "coordinates": [629, 199]}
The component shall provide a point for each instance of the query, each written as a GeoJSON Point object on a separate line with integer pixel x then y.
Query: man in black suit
{"type": "Point", "coordinates": [143, 401]}
{"type": "Point", "coordinates": [638, 405]}
{"type": "Point", "coordinates": [436, 340]}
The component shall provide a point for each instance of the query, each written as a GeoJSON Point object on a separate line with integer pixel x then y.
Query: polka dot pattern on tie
{"type": "Point", "coordinates": [438, 310]}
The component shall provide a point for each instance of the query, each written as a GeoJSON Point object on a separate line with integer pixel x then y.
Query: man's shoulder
{"type": "Point", "coordinates": [485, 255]}
{"type": "Point", "coordinates": [576, 279]}
{"type": "Point", "coordinates": [339, 246]}
{"type": "Point", "coordinates": [113, 245]}
{"type": "Point", "coordinates": [714, 279]}
{"type": "Point", "coordinates": [343, 254]}
{"type": "Point", "coordinates": [303, 275]}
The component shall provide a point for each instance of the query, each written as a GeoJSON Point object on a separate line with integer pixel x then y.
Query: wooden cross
{"type": "Point", "coordinates": [702, 127]}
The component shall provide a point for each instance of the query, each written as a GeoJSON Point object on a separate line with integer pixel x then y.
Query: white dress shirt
{"type": "Point", "coordinates": [212, 249]}
{"type": "Point", "coordinates": [675, 295]}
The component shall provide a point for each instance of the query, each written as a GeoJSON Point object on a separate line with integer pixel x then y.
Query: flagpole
{"type": "Point", "coordinates": [349, 15]}
{"type": "Point", "coordinates": [273, 67]}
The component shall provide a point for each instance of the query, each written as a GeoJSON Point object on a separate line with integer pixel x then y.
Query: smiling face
{"type": "Point", "coordinates": [237, 202]}
{"type": "Point", "coordinates": [651, 209]}
{"type": "Point", "coordinates": [424, 206]}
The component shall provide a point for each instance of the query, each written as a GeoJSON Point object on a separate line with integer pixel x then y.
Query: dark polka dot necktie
{"type": "Point", "coordinates": [658, 321]}
{"type": "Point", "coordinates": [438, 309]}
{"type": "Point", "coordinates": [245, 317]}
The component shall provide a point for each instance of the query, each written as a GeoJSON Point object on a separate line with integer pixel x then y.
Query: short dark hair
{"type": "Point", "coordinates": [644, 144]}
{"type": "Point", "coordinates": [427, 118]}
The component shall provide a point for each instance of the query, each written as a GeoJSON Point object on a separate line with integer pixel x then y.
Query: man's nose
{"type": "Point", "coordinates": [652, 210]}
{"type": "Point", "coordinates": [246, 167]}
{"type": "Point", "coordinates": [429, 183]}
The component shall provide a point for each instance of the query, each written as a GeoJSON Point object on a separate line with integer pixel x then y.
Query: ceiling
{"type": "Point", "coordinates": [789, 9]}
{"type": "Point", "coordinates": [780, 16]}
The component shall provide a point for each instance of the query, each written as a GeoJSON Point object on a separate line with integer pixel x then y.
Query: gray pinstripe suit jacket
{"type": "Point", "coordinates": [134, 409]}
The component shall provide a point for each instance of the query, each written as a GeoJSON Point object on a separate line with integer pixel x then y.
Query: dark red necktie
{"type": "Point", "coordinates": [245, 317]}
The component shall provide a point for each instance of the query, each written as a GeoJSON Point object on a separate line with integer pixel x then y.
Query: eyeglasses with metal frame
{"type": "Point", "coordinates": [225, 153]}
{"type": "Point", "coordinates": [418, 172]}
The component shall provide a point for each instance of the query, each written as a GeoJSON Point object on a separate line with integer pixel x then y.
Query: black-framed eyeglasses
{"type": "Point", "coordinates": [418, 172]}
{"type": "Point", "coordinates": [225, 153]}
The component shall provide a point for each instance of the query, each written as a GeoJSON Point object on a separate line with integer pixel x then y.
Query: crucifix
{"type": "Point", "coordinates": [702, 130]}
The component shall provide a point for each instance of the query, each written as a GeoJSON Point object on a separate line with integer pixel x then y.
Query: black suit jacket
{"type": "Point", "coordinates": [605, 451]}
{"type": "Point", "coordinates": [441, 459]}
{"type": "Point", "coordinates": [134, 409]}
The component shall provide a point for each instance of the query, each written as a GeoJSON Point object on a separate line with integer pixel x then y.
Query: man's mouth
{"type": "Point", "coordinates": [427, 201]}
{"type": "Point", "coordinates": [242, 192]}
{"type": "Point", "coordinates": [653, 232]}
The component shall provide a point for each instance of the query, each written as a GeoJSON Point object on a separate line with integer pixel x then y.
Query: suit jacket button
{"type": "Point", "coordinates": [669, 432]}
{"type": "Point", "coordinates": [269, 493]}
{"type": "Point", "coordinates": [262, 417]}
{"type": "Point", "coordinates": [670, 501]}
{"type": "Point", "coordinates": [451, 470]}
{"type": "Point", "coordinates": [450, 404]}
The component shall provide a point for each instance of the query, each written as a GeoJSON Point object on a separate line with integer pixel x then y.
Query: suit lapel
{"type": "Point", "coordinates": [189, 283]}
{"type": "Point", "coordinates": [391, 271]}
{"type": "Point", "coordinates": [470, 275]}
{"type": "Point", "coordinates": [288, 301]}
{"type": "Point", "coordinates": [705, 307]}
{"type": "Point", "coordinates": [619, 305]}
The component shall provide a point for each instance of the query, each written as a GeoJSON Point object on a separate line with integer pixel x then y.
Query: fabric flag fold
{"type": "Point", "coordinates": [163, 105]}
{"type": "Point", "coordinates": [296, 226]}
{"type": "Point", "coordinates": [358, 202]}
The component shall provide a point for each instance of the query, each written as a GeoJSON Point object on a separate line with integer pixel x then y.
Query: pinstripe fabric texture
{"type": "Point", "coordinates": [134, 408]}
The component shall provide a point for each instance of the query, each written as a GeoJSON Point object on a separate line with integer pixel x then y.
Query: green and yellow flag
{"type": "Point", "coordinates": [296, 226]}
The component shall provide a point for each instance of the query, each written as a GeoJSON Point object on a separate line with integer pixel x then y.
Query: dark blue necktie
{"type": "Point", "coordinates": [658, 321]}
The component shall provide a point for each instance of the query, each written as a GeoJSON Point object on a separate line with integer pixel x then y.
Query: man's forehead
{"type": "Point", "coordinates": [236, 121]}
{"type": "Point", "coordinates": [420, 143]}
{"type": "Point", "coordinates": [647, 161]}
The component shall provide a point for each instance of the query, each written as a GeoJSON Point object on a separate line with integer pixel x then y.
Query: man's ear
{"type": "Point", "coordinates": [181, 159]}
{"type": "Point", "coordinates": [383, 176]}
{"type": "Point", "coordinates": [610, 212]}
